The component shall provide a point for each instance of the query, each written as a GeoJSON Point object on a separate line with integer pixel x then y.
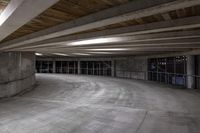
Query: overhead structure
{"type": "Point", "coordinates": [19, 12]}
{"type": "Point", "coordinates": [139, 26]}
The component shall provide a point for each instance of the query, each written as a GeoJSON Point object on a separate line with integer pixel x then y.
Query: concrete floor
{"type": "Point", "coordinates": [89, 104]}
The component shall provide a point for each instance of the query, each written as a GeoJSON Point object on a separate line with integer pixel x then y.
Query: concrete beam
{"type": "Point", "coordinates": [136, 32]}
{"type": "Point", "coordinates": [19, 12]}
{"type": "Point", "coordinates": [141, 43]}
{"type": "Point", "coordinates": [118, 54]}
{"type": "Point", "coordinates": [132, 10]}
{"type": "Point", "coordinates": [179, 43]}
{"type": "Point", "coordinates": [165, 46]}
{"type": "Point", "coordinates": [130, 48]}
{"type": "Point", "coordinates": [190, 71]}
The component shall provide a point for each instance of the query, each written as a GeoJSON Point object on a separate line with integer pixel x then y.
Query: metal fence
{"type": "Point", "coordinates": [162, 77]}
{"type": "Point", "coordinates": [168, 78]}
{"type": "Point", "coordinates": [67, 70]}
{"type": "Point", "coordinates": [85, 71]}
{"type": "Point", "coordinates": [44, 70]}
{"type": "Point", "coordinates": [174, 78]}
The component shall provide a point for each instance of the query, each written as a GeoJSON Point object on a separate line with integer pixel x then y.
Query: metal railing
{"type": "Point", "coordinates": [168, 78]}
{"type": "Point", "coordinates": [44, 70]}
{"type": "Point", "coordinates": [86, 71]}
{"type": "Point", "coordinates": [69, 70]}
{"type": "Point", "coordinates": [162, 77]}
{"type": "Point", "coordinates": [174, 78]}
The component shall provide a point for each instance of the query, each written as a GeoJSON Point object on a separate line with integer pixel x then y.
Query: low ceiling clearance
{"type": "Point", "coordinates": [100, 27]}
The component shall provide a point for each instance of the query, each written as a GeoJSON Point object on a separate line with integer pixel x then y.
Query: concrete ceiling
{"type": "Point", "coordinates": [125, 27]}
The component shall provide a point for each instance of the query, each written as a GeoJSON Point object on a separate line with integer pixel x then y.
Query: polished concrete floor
{"type": "Point", "coordinates": [90, 104]}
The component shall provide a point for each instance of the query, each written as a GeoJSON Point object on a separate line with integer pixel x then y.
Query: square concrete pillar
{"type": "Point", "coordinates": [79, 67]}
{"type": "Point", "coordinates": [54, 66]}
{"type": "Point", "coordinates": [17, 72]}
{"type": "Point", "coordinates": [113, 70]}
{"type": "Point", "coordinates": [190, 72]}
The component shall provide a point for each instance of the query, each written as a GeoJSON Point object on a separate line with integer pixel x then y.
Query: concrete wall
{"type": "Point", "coordinates": [131, 67]}
{"type": "Point", "coordinates": [125, 67]}
{"type": "Point", "coordinates": [17, 72]}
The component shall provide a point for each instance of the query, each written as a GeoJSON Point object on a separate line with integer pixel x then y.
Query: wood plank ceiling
{"type": "Point", "coordinates": [66, 10]}
{"type": "Point", "coordinates": [3, 4]}
{"type": "Point", "coordinates": [63, 11]}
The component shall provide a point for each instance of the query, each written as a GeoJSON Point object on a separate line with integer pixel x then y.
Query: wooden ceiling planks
{"type": "Point", "coordinates": [3, 4]}
{"type": "Point", "coordinates": [66, 10]}
{"type": "Point", "coordinates": [182, 13]}
{"type": "Point", "coordinates": [63, 11]}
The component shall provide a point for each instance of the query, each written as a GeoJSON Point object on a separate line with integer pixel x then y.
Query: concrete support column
{"type": "Point", "coordinates": [17, 72]}
{"type": "Point", "coordinates": [79, 67]}
{"type": "Point", "coordinates": [113, 70]}
{"type": "Point", "coordinates": [190, 71]}
{"type": "Point", "coordinates": [54, 66]}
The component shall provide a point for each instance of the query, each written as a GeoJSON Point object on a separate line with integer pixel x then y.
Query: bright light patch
{"type": "Point", "coordinates": [10, 8]}
{"type": "Point", "coordinates": [61, 54]}
{"type": "Point", "coordinates": [38, 54]}
{"type": "Point", "coordinates": [2, 17]}
{"type": "Point", "coordinates": [109, 49]}
{"type": "Point", "coordinates": [96, 41]}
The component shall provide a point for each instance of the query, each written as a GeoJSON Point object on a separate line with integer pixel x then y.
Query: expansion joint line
{"type": "Point", "coordinates": [140, 125]}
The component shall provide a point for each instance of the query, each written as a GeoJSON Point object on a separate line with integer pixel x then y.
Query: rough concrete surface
{"type": "Point", "coordinates": [90, 104]}
{"type": "Point", "coordinates": [131, 67]}
{"type": "Point", "coordinates": [17, 72]}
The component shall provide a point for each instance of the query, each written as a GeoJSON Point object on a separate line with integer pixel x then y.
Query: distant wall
{"type": "Point", "coordinates": [17, 72]}
{"type": "Point", "coordinates": [125, 67]}
{"type": "Point", "coordinates": [131, 67]}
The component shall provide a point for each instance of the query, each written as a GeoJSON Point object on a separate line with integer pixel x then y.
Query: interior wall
{"type": "Point", "coordinates": [125, 67]}
{"type": "Point", "coordinates": [131, 67]}
{"type": "Point", "coordinates": [17, 72]}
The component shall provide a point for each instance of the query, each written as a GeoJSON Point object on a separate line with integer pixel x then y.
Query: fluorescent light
{"type": "Point", "coordinates": [97, 41]}
{"type": "Point", "coordinates": [61, 54]}
{"type": "Point", "coordinates": [80, 54]}
{"type": "Point", "coordinates": [108, 49]}
{"type": "Point", "coordinates": [38, 54]}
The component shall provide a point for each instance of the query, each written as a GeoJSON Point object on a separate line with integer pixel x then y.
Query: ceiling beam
{"type": "Point", "coordinates": [126, 46]}
{"type": "Point", "coordinates": [138, 33]}
{"type": "Point", "coordinates": [19, 12]}
{"type": "Point", "coordinates": [185, 42]}
{"type": "Point", "coordinates": [105, 56]}
{"type": "Point", "coordinates": [155, 49]}
{"type": "Point", "coordinates": [132, 10]}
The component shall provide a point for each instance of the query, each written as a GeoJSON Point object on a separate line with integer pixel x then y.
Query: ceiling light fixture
{"type": "Point", "coordinates": [38, 54]}
{"type": "Point", "coordinates": [96, 41]}
{"type": "Point", "coordinates": [61, 54]}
